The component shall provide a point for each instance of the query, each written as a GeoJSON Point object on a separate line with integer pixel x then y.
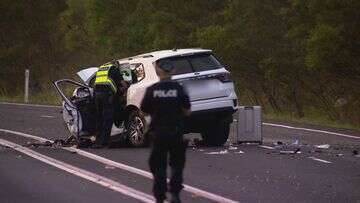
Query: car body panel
{"type": "Point", "coordinates": [87, 74]}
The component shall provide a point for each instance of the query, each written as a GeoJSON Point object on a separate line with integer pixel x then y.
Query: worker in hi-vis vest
{"type": "Point", "coordinates": [109, 84]}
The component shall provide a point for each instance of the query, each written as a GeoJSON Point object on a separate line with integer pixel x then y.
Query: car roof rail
{"type": "Point", "coordinates": [135, 57]}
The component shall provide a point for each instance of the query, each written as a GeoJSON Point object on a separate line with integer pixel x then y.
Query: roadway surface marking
{"type": "Point", "coordinates": [188, 188]}
{"type": "Point", "coordinates": [34, 105]}
{"type": "Point", "coordinates": [266, 147]}
{"type": "Point", "coordinates": [320, 160]}
{"type": "Point", "coordinates": [311, 130]}
{"type": "Point", "coordinates": [101, 180]}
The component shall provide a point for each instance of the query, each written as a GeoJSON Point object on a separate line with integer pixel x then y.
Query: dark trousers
{"type": "Point", "coordinates": [104, 101]}
{"type": "Point", "coordinates": [158, 163]}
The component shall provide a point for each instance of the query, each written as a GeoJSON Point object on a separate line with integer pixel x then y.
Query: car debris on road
{"type": "Point", "coordinates": [220, 152]}
{"type": "Point", "coordinates": [57, 143]}
{"type": "Point", "coordinates": [232, 147]}
{"type": "Point", "coordinates": [324, 146]}
{"type": "Point", "coordinates": [283, 148]}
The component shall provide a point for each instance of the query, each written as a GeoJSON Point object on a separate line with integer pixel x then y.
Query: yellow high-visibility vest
{"type": "Point", "coordinates": [102, 77]}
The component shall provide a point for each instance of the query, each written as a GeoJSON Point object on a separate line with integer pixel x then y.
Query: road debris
{"type": "Point", "coordinates": [324, 146]}
{"type": "Point", "coordinates": [220, 152]}
{"type": "Point", "coordinates": [57, 143]}
{"type": "Point", "coordinates": [283, 148]}
{"type": "Point", "coordinates": [356, 153]}
{"type": "Point", "coordinates": [38, 144]}
{"type": "Point", "coordinates": [232, 148]}
{"type": "Point", "coordinates": [318, 150]}
{"type": "Point", "coordinates": [289, 151]}
{"type": "Point", "coordinates": [239, 152]}
{"type": "Point", "coordinates": [279, 143]}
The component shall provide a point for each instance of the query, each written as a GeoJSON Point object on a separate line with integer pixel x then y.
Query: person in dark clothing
{"type": "Point", "coordinates": [168, 105]}
{"type": "Point", "coordinates": [108, 85]}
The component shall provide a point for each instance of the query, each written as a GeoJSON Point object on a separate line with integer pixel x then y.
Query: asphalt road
{"type": "Point", "coordinates": [243, 173]}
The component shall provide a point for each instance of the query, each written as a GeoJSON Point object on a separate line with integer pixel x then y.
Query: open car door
{"type": "Point", "coordinates": [79, 111]}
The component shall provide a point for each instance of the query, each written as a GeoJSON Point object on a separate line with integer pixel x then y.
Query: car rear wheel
{"type": "Point", "coordinates": [136, 128]}
{"type": "Point", "coordinates": [217, 134]}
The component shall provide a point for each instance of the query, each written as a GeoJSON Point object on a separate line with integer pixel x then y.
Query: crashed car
{"type": "Point", "coordinates": [211, 91]}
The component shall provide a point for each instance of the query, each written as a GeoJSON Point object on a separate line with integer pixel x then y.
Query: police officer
{"type": "Point", "coordinates": [168, 104]}
{"type": "Point", "coordinates": [108, 85]}
{"type": "Point", "coordinates": [120, 99]}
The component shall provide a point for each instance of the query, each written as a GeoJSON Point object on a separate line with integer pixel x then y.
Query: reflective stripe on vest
{"type": "Point", "coordinates": [102, 77]}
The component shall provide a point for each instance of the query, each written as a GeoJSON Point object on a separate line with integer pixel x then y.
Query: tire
{"type": "Point", "coordinates": [136, 128]}
{"type": "Point", "coordinates": [216, 135]}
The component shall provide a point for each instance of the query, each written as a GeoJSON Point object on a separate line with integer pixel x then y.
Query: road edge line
{"type": "Point", "coordinates": [312, 130]}
{"type": "Point", "coordinates": [188, 188]}
{"type": "Point", "coordinates": [34, 105]}
{"type": "Point", "coordinates": [95, 178]}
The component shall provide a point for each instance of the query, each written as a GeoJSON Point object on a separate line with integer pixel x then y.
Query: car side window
{"type": "Point", "coordinates": [137, 69]}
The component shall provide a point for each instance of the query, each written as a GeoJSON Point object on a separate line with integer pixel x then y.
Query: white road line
{"type": "Point", "coordinates": [320, 160]}
{"type": "Point", "coordinates": [311, 130]}
{"type": "Point", "coordinates": [188, 188]}
{"type": "Point", "coordinates": [25, 135]}
{"type": "Point", "coordinates": [46, 116]}
{"type": "Point", "coordinates": [34, 105]}
{"type": "Point", "coordinates": [266, 147]}
{"type": "Point", "coordinates": [101, 180]}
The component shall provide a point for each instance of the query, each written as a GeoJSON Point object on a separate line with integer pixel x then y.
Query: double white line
{"type": "Point", "coordinates": [101, 180]}
{"type": "Point", "coordinates": [105, 181]}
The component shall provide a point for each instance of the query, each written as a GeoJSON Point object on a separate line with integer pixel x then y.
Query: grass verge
{"type": "Point", "coordinates": [314, 119]}
{"type": "Point", "coordinates": [46, 98]}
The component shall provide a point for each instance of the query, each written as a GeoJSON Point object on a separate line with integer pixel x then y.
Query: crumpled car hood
{"type": "Point", "coordinates": [86, 74]}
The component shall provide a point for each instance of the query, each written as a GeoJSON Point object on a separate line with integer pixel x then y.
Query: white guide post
{"type": "Point", "coordinates": [26, 91]}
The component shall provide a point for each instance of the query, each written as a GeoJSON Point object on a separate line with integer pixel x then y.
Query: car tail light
{"type": "Point", "coordinates": [224, 77]}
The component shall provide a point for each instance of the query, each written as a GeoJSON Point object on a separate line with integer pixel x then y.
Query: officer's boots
{"type": "Point", "coordinates": [160, 200]}
{"type": "Point", "coordinates": [175, 198]}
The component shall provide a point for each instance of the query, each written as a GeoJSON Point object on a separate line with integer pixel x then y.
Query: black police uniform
{"type": "Point", "coordinates": [165, 101]}
{"type": "Point", "coordinates": [105, 101]}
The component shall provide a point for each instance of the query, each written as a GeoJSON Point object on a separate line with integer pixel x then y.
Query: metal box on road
{"type": "Point", "coordinates": [247, 125]}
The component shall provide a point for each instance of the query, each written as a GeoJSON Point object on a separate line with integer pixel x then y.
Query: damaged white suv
{"type": "Point", "coordinates": [212, 96]}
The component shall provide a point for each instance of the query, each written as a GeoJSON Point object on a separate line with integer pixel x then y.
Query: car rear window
{"type": "Point", "coordinates": [193, 63]}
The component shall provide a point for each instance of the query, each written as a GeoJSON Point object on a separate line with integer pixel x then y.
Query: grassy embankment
{"type": "Point", "coordinates": [48, 98]}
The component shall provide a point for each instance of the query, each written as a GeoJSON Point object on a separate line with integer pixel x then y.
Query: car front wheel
{"type": "Point", "coordinates": [136, 128]}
